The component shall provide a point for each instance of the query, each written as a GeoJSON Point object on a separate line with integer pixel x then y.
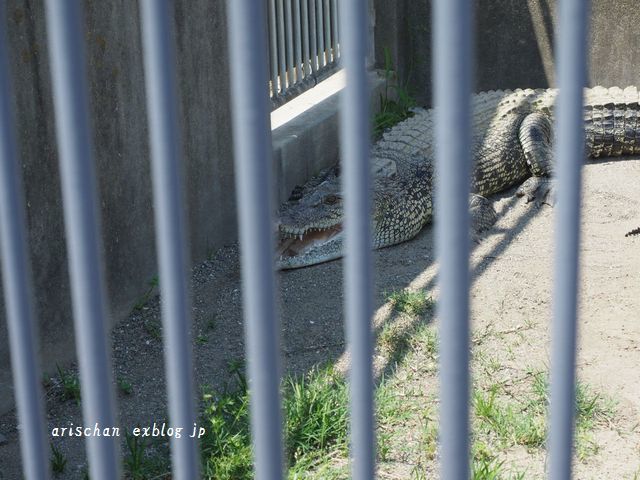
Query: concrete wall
{"type": "Point", "coordinates": [115, 72]}
{"type": "Point", "coordinates": [514, 43]}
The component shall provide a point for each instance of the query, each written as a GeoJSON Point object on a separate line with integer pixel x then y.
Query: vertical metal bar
{"type": "Point", "coordinates": [289, 36]}
{"type": "Point", "coordinates": [281, 47]}
{"type": "Point", "coordinates": [453, 64]}
{"type": "Point", "coordinates": [327, 30]}
{"type": "Point", "coordinates": [273, 48]}
{"type": "Point", "coordinates": [570, 145]}
{"type": "Point", "coordinates": [315, 59]}
{"type": "Point", "coordinates": [297, 39]}
{"type": "Point", "coordinates": [305, 38]}
{"type": "Point", "coordinates": [355, 138]}
{"type": "Point", "coordinates": [335, 18]}
{"type": "Point", "coordinates": [160, 80]}
{"type": "Point", "coordinates": [79, 194]}
{"type": "Point", "coordinates": [252, 146]}
{"type": "Point", "coordinates": [319, 30]}
{"type": "Point", "coordinates": [16, 279]}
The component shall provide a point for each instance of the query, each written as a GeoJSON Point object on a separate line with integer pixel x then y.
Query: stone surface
{"type": "Point", "coordinates": [514, 43]}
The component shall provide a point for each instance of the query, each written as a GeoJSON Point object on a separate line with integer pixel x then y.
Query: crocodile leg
{"type": "Point", "coordinates": [482, 215]}
{"type": "Point", "coordinates": [535, 137]}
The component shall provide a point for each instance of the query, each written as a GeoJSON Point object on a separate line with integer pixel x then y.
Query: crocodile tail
{"type": "Point", "coordinates": [612, 121]}
{"type": "Point", "coordinates": [635, 231]}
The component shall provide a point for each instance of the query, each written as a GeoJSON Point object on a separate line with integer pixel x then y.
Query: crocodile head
{"type": "Point", "coordinates": [310, 223]}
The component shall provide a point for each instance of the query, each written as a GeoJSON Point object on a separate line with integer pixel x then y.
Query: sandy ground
{"type": "Point", "coordinates": [511, 287]}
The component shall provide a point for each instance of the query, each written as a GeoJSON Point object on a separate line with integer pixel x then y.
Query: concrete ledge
{"type": "Point", "coordinates": [306, 140]}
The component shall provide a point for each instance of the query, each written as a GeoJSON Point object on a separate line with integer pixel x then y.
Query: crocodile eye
{"type": "Point", "coordinates": [331, 199]}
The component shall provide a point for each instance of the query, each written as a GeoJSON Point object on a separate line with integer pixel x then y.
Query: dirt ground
{"type": "Point", "coordinates": [511, 288]}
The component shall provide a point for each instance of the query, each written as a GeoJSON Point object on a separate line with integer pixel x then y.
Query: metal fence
{"type": "Point", "coordinates": [303, 45]}
{"type": "Point", "coordinates": [453, 36]}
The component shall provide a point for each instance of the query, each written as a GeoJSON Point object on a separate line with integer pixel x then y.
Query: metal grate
{"type": "Point", "coordinates": [303, 42]}
{"type": "Point", "coordinates": [303, 45]}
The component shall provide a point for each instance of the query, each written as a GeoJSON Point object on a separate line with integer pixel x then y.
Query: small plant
{"type": "Point", "coordinates": [135, 460]}
{"type": "Point", "coordinates": [317, 411]}
{"type": "Point", "coordinates": [392, 111]}
{"type": "Point", "coordinates": [211, 323]}
{"type": "Point", "coordinates": [58, 460]}
{"type": "Point", "coordinates": [154, 329]}
{"type": "Point", "coordinates": [413, 303]}
{"type": "Point", "coordinates": [152, 285]}
{"type": "Point", "coordinates": [70, 384]}
{"type": "Point", "coordinates": [201, 339]}
{"type": "Point", "coordinates": [486, 470]}
{"type": "Point", "coordinates": [46, 380]}
{"type": "Point", "coordinates": [315, 408]}
{"type": "Point", "coordinates": [125, 386]}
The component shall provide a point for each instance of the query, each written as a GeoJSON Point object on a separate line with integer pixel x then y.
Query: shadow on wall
{"type": "Point", "coordinates": [514, 43]}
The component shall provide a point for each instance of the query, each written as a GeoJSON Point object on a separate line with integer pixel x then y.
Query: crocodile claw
{"type": "Point", "coordinates": [539, 189]}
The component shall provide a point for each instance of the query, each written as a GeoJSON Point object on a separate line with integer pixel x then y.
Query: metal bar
{"type": "Point", "coordinates": [315, 59]}
{"type": "Point", "coordinates": [322, 61]}
{"type": "Point", "coordinates": [79, 194]}
{"type": "Point", "coordinates": [570, 146]}
{"type": "Point", "coordinates": [297, 39]}
{"type": "Point", "coordinates": [305, 38]}
{"type": "Point", "coordinates": [281, 47]}
{"type": "Point", "coordinates": [290, 55]}
{"type": "Point", "coordinates": [358, 284]}
{"type": "Point", "coordinates": [252, 146]}
{"type": "Point", "coordinates": [327, 30]}
{"type": "Point", "coordinates": [453, 66]}
{"type": "Point", "coordinates": [160, 80]}
{"type": "Point", "coordinates": [16, 279]}
{"type": "Point", "coordinates": [335, 17]}
{"type": "Point", "coordinates": [273, 47]}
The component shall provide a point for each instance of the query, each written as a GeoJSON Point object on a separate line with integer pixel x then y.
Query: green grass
{"type": "Point", "coordinates": [152, 286]}
{"type": "Point", "coordinates": [125, 386]}
{"type": "Point", "coordinates": [522, 419]}
{"type": "Point", "coordinates": [153, 328]}
{"type": "Point", "coordinates": [70, 384]}
{"type": "Point", "coordinates": [392, 110]}
{"type": "Point", "coordinates": [410, 302]}
{"type": "Point", "coordinates": [315, 414]}
{"type": "Point", "coordinates": [58, 460]}
{"type": "Point", "coordinates": [144, 460]}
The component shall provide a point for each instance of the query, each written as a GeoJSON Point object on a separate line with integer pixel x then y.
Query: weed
{"type": "Point", "coordinates": [393, 339]}
{"type": "Point", "coordinates": [70, 384]}
{"type": "Point", "coordinates": [134, 460]}
{"type": "Point", "coordinates": [485, 469]}
{"type": "Point", "coordinates": [201, 339]}
{"type": "Point", "coordinates": [58, 460]}
{"type": "Point", "coordinates": [522, 420]}
{"type": "Point", "coordinates": [46, 380]}
{"type": "Point", "coordinates": [316, 407]}
{"type": "Point", "coordinates": [125, 386]}
{"type": "Point", "coordinates": [152, 285]}
{"type": "Point", "coordinates": [413, 303]}
{"type": "Point", "coordinates": [143, 460]}
{"type": "Point", "coordinates": [154, 329]}
{"type": "Point", "coordinates": [392, 111]}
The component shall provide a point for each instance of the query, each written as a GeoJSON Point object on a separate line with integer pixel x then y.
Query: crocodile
{"type": "Point", "coordinates": [511, 145]}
